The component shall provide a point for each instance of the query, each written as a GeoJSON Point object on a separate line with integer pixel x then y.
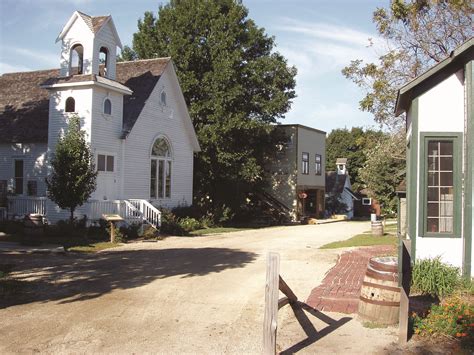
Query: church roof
{"type": "Point", "coordinates": [95, 23]}
{"type": "Point", "coordinates": [24, 105]}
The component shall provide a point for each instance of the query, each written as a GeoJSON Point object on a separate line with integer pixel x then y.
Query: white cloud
{"type": "Point", "coordinates": [326, 31]}
{"type": "Point", "coordinates": [328, 116]}
{"type": "Point", "coordinates": [44, 58]}
{"type": "Point", "coordinates": [9, 68]}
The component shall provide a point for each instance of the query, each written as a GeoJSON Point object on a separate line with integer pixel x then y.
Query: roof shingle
{"type": "Point", "coordinates": [24, 104]}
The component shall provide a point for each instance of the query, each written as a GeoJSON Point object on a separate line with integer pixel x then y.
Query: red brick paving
{"type": "Point", "coordinates": [340, 289]}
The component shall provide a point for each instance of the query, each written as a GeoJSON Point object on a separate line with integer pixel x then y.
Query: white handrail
{"type": "Point", "coordinates": [149, 212]}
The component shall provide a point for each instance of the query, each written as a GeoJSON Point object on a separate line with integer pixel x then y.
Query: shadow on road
{"type": "Point", "coordinates": [72, 277]}
{"type": "Point", "coordinates": [312, 334]}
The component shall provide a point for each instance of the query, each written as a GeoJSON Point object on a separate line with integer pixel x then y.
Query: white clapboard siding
{"type": "Point", "coordinates": [156, 120]}
{"type": "Point", "coordinates": [105, 38]}
{"type": "Point", "coordinates": [34, 164]}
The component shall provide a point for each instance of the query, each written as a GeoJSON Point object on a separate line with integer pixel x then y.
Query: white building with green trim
{"type": "Point", "coordinates": [440, 159]}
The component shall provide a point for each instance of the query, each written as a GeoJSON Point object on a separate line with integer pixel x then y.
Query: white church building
{"type": "Point", "coordinates": [134, 115]}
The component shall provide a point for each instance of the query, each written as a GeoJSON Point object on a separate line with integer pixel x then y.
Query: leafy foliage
{"type": "Point", "coordinates": [73, 177]}
{"type": "Point", "coordinates": [235, 86]}
{"type": "Point", "coordinates": [351, 144]}
{"type": "Point", "coordinates": [432, 277]}
{"type": "Point", "coordinates": [418, 35]}
{"type": "Point", "coordinates": [384, 169]}
{"type": "Point", "coordinates": [453, 317]}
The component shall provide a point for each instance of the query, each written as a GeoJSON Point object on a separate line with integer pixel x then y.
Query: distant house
{"type": "Point", "coordinates": [439, 108]}
{"type": "Point", "coordinates": [365, 205]}
{"type": "Point", "coordinates": [339, 195]}
{"type": "Point", "coordinates": [297, 174]}
{"type": "Point", "coordinates": [134, 115]}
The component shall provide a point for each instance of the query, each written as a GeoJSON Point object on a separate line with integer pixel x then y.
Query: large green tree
{"type": "Point", "coordinates": [235, 86]}
{"type": "Point", "coordinates": [351, 144]}
{"type": "Point", "coordinates": [73, 176]}
{"type": "Point", "coordinates": [384, 169]}
{"type": "Point", "coordinates": [418, 33]}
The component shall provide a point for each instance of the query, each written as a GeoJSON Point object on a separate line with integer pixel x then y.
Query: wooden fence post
{"type": "Point", "coordinates": [405, 279]}
{"type": "Point", "coordinates": [270, 320]}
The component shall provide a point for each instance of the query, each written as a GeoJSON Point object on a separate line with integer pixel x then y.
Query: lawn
{"type": "Point", "coordinates": [216, 230]}
{"type": "Point", "coordinates": [75, 243]}
{"type": "Point", "coordinates": [367, 239]}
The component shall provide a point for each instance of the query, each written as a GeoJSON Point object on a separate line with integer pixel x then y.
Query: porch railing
{"type": "Point", "coordinates": [132, 211]}
{"type": "Point", "coordinates": [149, 212]}
{"type": "Point", "coordinates": [3, 213]}
{"type": "Point", "coordinates": [22, 205]}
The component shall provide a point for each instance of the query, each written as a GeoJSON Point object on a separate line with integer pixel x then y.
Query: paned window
{"type": "Point", "coordinates": [105, 162]}
{"type": "Point", "coordinates": [366, 201]}
{"type": "Point", "coordinates": [442, 186]}
{"type": "Point", "coordinates": [305, 163]}
{"type": "Point", "coordinates": [161, 169]}
{"type": "Point", "coordinates": [317, 164]}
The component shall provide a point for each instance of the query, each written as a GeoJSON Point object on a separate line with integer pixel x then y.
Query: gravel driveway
{"type": "Point", "coordinates": [181, 295]}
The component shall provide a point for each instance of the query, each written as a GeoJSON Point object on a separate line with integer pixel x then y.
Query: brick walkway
{"type": "Point", "coordinates": [340, 289]}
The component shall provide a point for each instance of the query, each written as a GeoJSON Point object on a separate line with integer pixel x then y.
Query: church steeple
{"type": "Point", "coordinates": [89, 46]}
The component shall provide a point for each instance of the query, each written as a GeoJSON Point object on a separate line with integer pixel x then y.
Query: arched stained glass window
{"type": "Point", "coordinates": [161, 167]}
{"type": "Point", "coordinates": [161, 148]}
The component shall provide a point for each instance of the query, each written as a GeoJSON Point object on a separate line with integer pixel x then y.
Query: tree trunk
{"type": "Point", "coordinates": [71, 217]}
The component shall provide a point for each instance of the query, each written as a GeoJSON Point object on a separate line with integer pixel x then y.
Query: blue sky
{"type": "Point", "coordinates": [319, 37]}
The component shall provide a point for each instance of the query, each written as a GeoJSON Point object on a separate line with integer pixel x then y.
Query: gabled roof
{"type": "Point", "coordinates": [95, 24]}
{"type": "Point", "coordinates": [335, 182]}
{"type": "Point", "coordinates": [24, 105]}
{"type": "Point", "coordinates": [434, 76]}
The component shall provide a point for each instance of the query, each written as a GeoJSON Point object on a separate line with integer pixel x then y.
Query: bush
{"type": "Point", "coordinates": [170, 224]}
{"type": "Point", "coordinates": [453, 317]}
{"type": "Point", "coordinates": [189, 224]}
{"type": "Point", "coordinates": [434, 278]}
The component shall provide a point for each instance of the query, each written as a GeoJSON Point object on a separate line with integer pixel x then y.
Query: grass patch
{"type": "Point", "coordinates": [76, 243]}
{"type": "Point", "coordinates": [373, 325]}
{"type": "Point", "coordinates": [362, 240]}
{"type": "Point", "coordinates": [92, 247]}
{"type": "Point", "coordinates": [216, 230]}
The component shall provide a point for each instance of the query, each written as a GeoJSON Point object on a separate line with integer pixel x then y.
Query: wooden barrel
{"type": "Point", "coordinates": [33, 225]}
{"type": "Point", "coordinates": [377, 228]}
{"type": "Point", "coordinates": [380, 295]}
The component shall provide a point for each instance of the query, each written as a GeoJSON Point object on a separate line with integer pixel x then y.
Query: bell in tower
{"type": "Point", "coordinates": [89, 46]}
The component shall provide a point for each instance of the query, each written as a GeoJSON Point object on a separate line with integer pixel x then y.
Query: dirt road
{"type": "Point", "coordinates": [181, 295]}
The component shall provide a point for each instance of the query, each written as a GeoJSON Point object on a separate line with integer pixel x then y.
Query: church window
{"type": "Point", "coordinates": [160, 174]}
{"type": "Point", "coordinates": [163, 98]}
{"type": "Point", "coordinates": [70, 105]}
{"type": "Point", "coordinates": [107, 107]}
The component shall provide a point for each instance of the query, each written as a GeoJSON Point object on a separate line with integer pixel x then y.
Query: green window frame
{"type": "Point", "coordinates": [440, 184]}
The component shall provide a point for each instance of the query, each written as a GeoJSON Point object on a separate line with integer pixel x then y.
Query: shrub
{"type": "Point", "coordinates": [453, 317]}
{"type": "Point", "coordinates": [170, 224]}
{"type": "Point", "coordinates": [432, 277]}
{"type": "Point", "coordinates": [189, 224]}
{"type": "Point", "coordinates": [130, 231]}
